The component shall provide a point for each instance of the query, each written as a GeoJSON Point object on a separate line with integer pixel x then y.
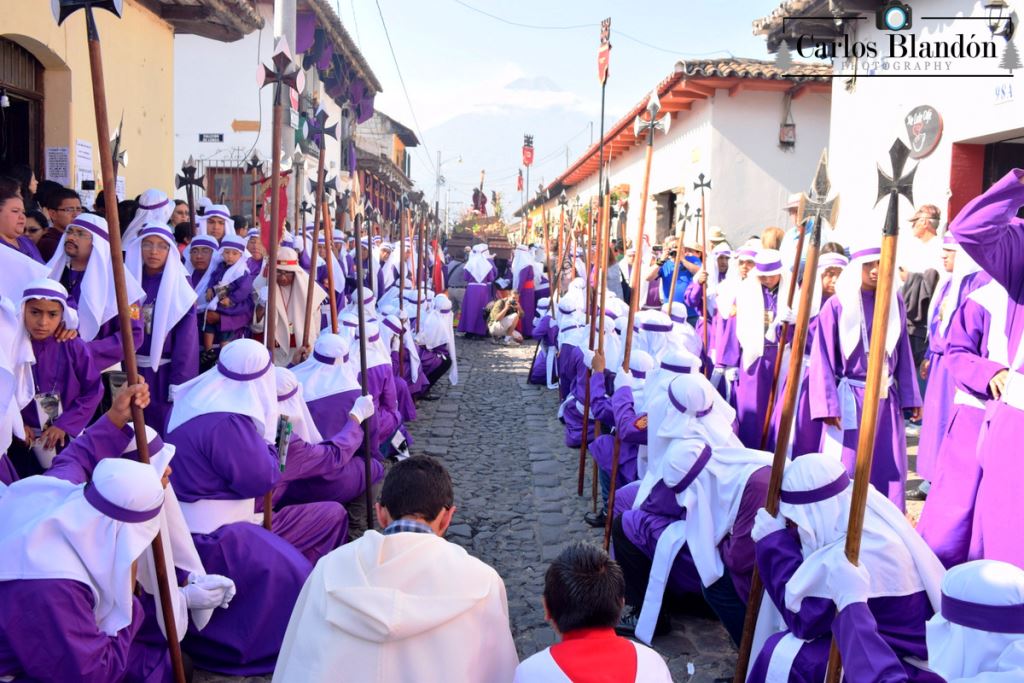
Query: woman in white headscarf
{"type": "Point", "coordinates": [169, 354]}
{"type": "Point", "coordinates": [319, 468]}
{"type": "Point", "coordinates": [224, 425]}
{"type": "Point", "coordinates": [838, 370]}
{"type": "Point", "coordinates": [480, 273]}
{"type": "Point", "coordinates": [689, 527]}
{"type": "Point", "coordinates": [805, 577]}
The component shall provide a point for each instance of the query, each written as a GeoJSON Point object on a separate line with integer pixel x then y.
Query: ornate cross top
{"type": "Point", "coordinates": [120, 156]}
{"type": "Point", "coordinates": [702, 184]}
{"type": "Point", "coordinates": [685, 216]}
{"type": "Point", "coordinates": [282, 71]}
{"type": "Point", "coordinates": [652, 122]}
{"type": "Point", "coordinates": [818, 206]}
{"type": "Point", "coordinates": [188, 175]}
{"type": "Point", "coordinates": [317, 128]}
{"type": "Point", "coordinates": [895, 185]}
{"type": "Point", "coordinates": [62, 9]}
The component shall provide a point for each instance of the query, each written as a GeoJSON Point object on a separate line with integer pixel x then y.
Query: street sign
{"type": "Point", "coordinates": [211, 137]}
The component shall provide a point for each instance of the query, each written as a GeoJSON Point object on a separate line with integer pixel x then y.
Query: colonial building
{"type": "Point", "coordinates": [44, 74]}
{"type": "Point", "coordinates": [382, 161]}
{"type": "Point", "coordinates": [221, 119]}
{"type": "Point", "coordinates": [962, 121]}
{"type": "Point", "coordinates": [754, 129]}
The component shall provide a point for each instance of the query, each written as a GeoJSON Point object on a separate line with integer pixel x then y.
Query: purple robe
{"type": "Point", "coordinates": [330, 413]}
{"type": "Point", "coordinates": [527, 300]}
{"type": "Point", "coordinates": [900, 621]}
{"type": "Point", "coordinates": [478, 295]}
{"type": "Point", "coordinates": [829, 369]}
{"type": "Point", "coordinates": [339, 297]}
{"type": "Point", "coordinates": [727, 355]}
{"type": "Point", "coordinates": [416, 388]}
{"type": "Point", "coordinates": [693, 299]}
{"type": "Point", "coordinates": [546, 334]}
{"type": "Point", "coordinates": [222, 456]}
{"type": "Point", "coordinates": [947, 519]}
{"type": "Point", "coordinates": [805, 435]}
{"type": "Point", "coordinates": [570, 364]}
{"type": "Point", "coordinates": [430, 360]}
{"type": "Point", "coordinates": [755, 384]}
{"type": "Point", "coordinates": [234, 319]}
{"type": "Point", "coordinates": [326, 471]}
{"type": "Point", "coordinates": [65, 368]}
{"type": "Point", "coordinates": [26, 246]}
{"type": "Point", "coordinates": [181, 348]}
{"type": "Point", "coordinates": [617, 410]}
{"type": "Point", "coordinates": [988, 229]}
{"type": "Point", "coordinates": [105, 349]}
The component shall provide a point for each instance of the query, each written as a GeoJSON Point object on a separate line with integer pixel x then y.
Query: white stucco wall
{"type": "Point", "coordinates": [866, 121]}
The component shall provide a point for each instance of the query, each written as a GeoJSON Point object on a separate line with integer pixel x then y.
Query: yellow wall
{"type": "Point", "coordinates": [138, 59]}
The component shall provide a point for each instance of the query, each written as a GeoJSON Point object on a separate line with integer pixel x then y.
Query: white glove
{"type": "Point", "coordinates": [588, 358]}
{"type": "Point", "coordinates": [208, 591]}
{"type": "Point", "coordinates": [785, 314]}
{"type": "Point", "coordinates": [263, 294]}
{"type": "Point", "coordinates": [765, 525]}
{"type": "Point", "coordinates": [624, 378]}
{"type": "Point", "coordinates": [402, 315]}
{"type": "Point", "coordinates": [732, 374]}
{"type": "Point", "coordinates": [362, 408]}
{"type": "Point", "coordinates": [848, 584]}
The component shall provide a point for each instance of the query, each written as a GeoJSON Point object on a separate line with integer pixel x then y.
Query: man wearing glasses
{"type": "Point", "coordinates": [63, 206]}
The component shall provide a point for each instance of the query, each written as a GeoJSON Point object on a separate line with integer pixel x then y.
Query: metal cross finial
{"type": "Point", "coordinates": [188, 176]}
{"type": "Point", "coordinates": [282, 72]}
{"type": "Point", "coordinates": [895, 185]}
{"type": "Point", "coordinates": [702, 184]}
{"type": "Point", "coordinates": [254, 166]}
{"type": "Point", "coordinates": [317, 128]}
{"type": "Point", "coordinates": [563, 199]}
{"type": "Point", "coordinates": [652, 123]}
{"type": "Point", "coordinates": [62, 9]}
{"type": "Point", "coordinates": [698, 214]}
{"type": "Point", "coordinates": [120, 156]}
{"type": "Point", "coordinates": [685, 216]}
{"type": "Point", "coordinates": [304, 210]}
{"type": "Point", "coordinates": [818, 205]}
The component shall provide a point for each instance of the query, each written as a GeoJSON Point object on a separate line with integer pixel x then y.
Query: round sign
{"type": "Point", "coordinates": [924, 130]}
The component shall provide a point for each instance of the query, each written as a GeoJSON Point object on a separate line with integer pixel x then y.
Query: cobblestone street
{"type": "Point", "coordinates": [515, 488]}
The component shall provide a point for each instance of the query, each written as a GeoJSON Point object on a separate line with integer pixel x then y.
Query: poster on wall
{"type": "Point", "coordinates": [58, 165]}
{"type": "Point", "coordinates": [924, 130]}
{"type": "Point", "coordinates": [85, 180]}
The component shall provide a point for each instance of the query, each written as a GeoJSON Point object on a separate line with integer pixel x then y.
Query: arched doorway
{"type": "Point", "coordinates": [21, 113]}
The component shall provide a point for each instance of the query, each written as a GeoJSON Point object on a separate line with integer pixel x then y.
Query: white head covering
{"type": "Point", "coordinates": [816, 496]}
{"type": "Point", "coordinates": [239, 269]}
{"type": "Point", "coordinates": [437, 329]}
{"type": "Point", "coordinates": [155, 208]}
{"type": "Point", "coordinates": [979, 635]}
{"type": "Point", "coordinates": [179, 549]}
{"type": "Point", "coordinates": [750, 311]}
{"type": "Point", "coordinates": [543, 307]}
{"type": "Point", "coordinates": [91, 533]}
{"type": "Point", "coordinates": [97, 302]}
{"type": "Point", "coordinates": [216, 210]}
{"type": "Point", "coordinates": [290, 402]}
{"type": "Point", "coordinates": [963, 266]}
{"type": "Point", "coordinates": [376, 353]}
{"type": "Point", "coordinates": [640, 366]}
{"type": "Point", "coordinates": [573, 330]}
{"type": "Point", "coordinates": [17, 270]}
{"type": "Point", "coordinates": [728, 289]}
{"type": "Point", "coordinates": [210, 243]}
{"type": "Point", "coordinates": [825, 261]}
{"type": "Point", "coordinates": [17, 386]}
{"type": "Point", "coordinates": [291, 306]}
{"type": "Point", "coordinates": [241, 383]}
{"type": "Point", "coordinates": [848, 292]}
{"type": "Point", "coordinates": [329, 370]}
{"type": "Point", "coordinates": [175, 297]}
{"type": "Point", "coordinates": [479, 263]}
{"type": "Point", "coordinates": [390, 326]}
{"type": "Point", "coordinates": [523, 258]}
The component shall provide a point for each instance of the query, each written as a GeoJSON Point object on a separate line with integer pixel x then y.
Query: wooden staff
{"type": "Point", "coordinates": [315, 251]}
{"type": "Point", "coordinates": [783, 336]}
{"type": "Point", "coordinates": [683, 220]}
{"type": "Point", "coordinates": [329, 262]}
{"type": "Point", "coordinates": [590, 320]}
{"type": "Point", "coordinates": [703, 185]}
{"type": "Point", "coordinates": [188, 180]}
{"type": "Point", "coordinates": [893, 186]}
{"type": "Point", "coordinates": [419, 267]}
{"type": "Point", "coordinates": [254, 167]}
{"type": "Point", "coordinates": [820, 206]}
{"type": "Point", "coordinates": [124, 307]}
{"type": "Point", "coordinates": [600, 285]}
{"type": "Point", "coordinates": [555, 277]}
{"type": "Point", "coordinates": [298, 163]}
{"type": "Point", "coordinates": [363, 376]}
{"type": "Point", "coordinates": [403, 221]}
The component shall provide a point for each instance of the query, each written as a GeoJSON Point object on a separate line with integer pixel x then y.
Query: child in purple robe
{"type": "Point", "coordinates": [198, 256]}
{"type": "Point", "coordinates": [697, 496]}
{"type": "Point", "coordinates": [226, 299]}
{"type": "Point", "coordinates": [224, 425]}
{"type": "Point", "coordinates": [803, 569]}
{"type": "Point", "coordinates": [65, 385]}
{"type": "Point", "coordinates": [169, 354]}
{"type": "Point", "coordinates": [480, 273]}
{"type": "Point", "coordinates": [838, 368]}
{"type": "Point", "coordinates": [989, 231]}
{"type": "Point", "coordinates": [946, 522]}
{"type": "Point", "coordinates": [759, 317]}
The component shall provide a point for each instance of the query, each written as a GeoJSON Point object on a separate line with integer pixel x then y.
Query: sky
{"type": "Point", "coordinates": [472, 79]}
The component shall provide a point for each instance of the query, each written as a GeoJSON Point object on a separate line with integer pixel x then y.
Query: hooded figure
{"type": "Point", "coordinates": [437, 341]}
{"type": "Point", "coordinates": [380, 384]}
{"type": "Point", "coordinates": [219, 212]}
{"type": "Point", "coordinates": [725, 354]}
{"type": "Point", "coordinates": [802, 571]}
{"type": "Point", "coordinates": [169, 354]}
{"type": "Point", "coordinates": [224, 425]}
{"type": "Point", "coordinates": [545, 331]}
{"type": "Point", "coordinates": [225, 293]}
{"type": "Point", "coordinates": [91, 289]}
{"type": "Point", "coordinates": [67, 548]}
{"type": "Point", "coordinates": [838, 370]}
{"type": "Point", "coordinates": [480, 273]}
{"type": "Point", "coordinates": [155, 208]}
{"type": "Point", "coordinates": [329, 382]}
{"type": "Point", "coordinates": [526, 279]}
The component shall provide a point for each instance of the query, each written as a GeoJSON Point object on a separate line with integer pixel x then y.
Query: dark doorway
{"type": "Point", "coordinates": [1000, 159]}
{"type": "Point", "coordinates": [21, 122]}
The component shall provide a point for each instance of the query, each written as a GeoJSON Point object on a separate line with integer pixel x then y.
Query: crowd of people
{"type": "Point", "coordinates": [264, 454]}
{"type": "Point", "coordinates": [686, 424]}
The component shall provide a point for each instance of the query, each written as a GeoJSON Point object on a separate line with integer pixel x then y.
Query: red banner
{"type": "Point", "coordinates": [519, 181]}
{"type": "Point", "coordinates": [282, 213]}
{"type": "Point", "coordinates": [603, 55]}
{"type": "Point", "coordinates": [527, 156]}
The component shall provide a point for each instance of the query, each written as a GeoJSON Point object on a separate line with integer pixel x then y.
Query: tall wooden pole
{"type": "Point", "coordinates": [702, 185]}
{"type": "Point", "coordinates": [364, 379]}
{"type": "Point", "coordinates": [821, 207]}
{"type": "Point", "coordinates": [315, 251]}
{"type": "Point", "coordinates": [329, 262]}
{"type": "Point", "coordinates": [124, 317]}
{"type": "Point", "coordinates": [403, 221]}
{"type": "Point", "coordinates": [684, 219]}
{"type": "Point", "coordinates": [590, 299]}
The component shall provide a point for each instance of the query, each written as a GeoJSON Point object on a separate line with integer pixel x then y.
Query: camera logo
{"type": "Point", "coordinates": [894, 16]}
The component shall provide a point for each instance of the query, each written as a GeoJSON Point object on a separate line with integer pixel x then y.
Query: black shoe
{"type": "Point", "coordinates": [428, 397]}
{"type": "Point", "coordinates": [631, 616]}
{"type": "Point", "coordinates": [916, 495]}
{"type": "Point", "coordinates": [596, 519]}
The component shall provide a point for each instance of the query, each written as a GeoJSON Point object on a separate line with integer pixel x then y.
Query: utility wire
{"type": "Point", "coordinates": [423, 143]}
{"type": "Point", "coordinates": [521, 25]}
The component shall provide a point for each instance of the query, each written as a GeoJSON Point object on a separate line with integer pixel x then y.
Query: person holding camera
{"type": "Point", "coordinates": [503, 316]}
{"type": "Point", "coordinates": [689, 265]}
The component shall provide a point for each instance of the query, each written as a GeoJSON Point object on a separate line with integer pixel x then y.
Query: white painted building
{"type": "Point", "coordinates": [726, 119]}
{"type": "Point", "coordinates": [220, 116]}
{"type": "Point", "coordinates": [981, 134]}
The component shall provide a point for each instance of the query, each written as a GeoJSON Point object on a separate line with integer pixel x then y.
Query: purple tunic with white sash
{"type": "Point", "coordinates": [805, 436]}
{"type": "Point", "coordinates": [546, 333]}
{"type": "Point", "coordinates": [66, 369]}
{"type": "Point", "coordinates": [478, 295]}
{"type": "Point", "coordinates": [756, 383]}
{"type": "Point", "coordinates": [617, 410]}
{"type": "Point", "coordinates": [105, 348]}
{"type": "Point", "coordinates": [837, 383]}
{"type": "Point", "coordinates": [988, 229]}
